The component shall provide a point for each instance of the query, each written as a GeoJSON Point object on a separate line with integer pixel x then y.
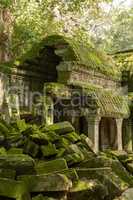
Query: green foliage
{"type": "Point", "coordinates": [34, 20]}
{"type": "Point", "coordinates": [5, 3]}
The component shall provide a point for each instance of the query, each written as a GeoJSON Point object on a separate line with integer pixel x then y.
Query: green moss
{"type": "Point", "coordinates": [56, 89]}
{"type": "Point", "coordinates": [84, 54]}
{"type": "Point", "coordinates": [49, 150]}
{"type": "Point", "coordinates": [43, 167]}
{"type": "Point", "coordinates": [60, 128]}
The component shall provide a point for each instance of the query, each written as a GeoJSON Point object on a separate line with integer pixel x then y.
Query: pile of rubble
{"type": "Point", "coordinates": [55, 163]}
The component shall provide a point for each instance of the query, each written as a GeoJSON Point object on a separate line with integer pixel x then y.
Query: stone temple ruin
{"type": "Point", "coordinates": [66, 125]}
{"type": "Point", "coordinates": [75, 87]}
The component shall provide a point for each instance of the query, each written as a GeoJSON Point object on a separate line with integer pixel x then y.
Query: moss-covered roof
{"type": "Point", "coordinates": [73, 49]}
{"type": "Point", "coordinates": [84, 53]}
{"type": "Point", "coordinates": [110, 104]}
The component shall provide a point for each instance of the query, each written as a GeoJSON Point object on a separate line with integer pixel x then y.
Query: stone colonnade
{"type": "Point", "coordinates": [94, 130]}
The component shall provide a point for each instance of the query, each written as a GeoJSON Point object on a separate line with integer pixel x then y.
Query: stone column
{"type": "Point", "coordinates": [48, 110]}
{"type": "Point", "coordinates": [93, 131]}
{"type": "Point", "coordinates": [119, 133]}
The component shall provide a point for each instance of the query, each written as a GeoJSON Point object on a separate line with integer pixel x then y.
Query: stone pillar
{"type": "Point", "coordinates": [119, 133]}
{"type": "Point", "coordinates": [48, 110]}
{"type": "Point", "coordinates": [93, 131]}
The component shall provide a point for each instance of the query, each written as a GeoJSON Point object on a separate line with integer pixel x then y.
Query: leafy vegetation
{"type": "Point", "coordinates": [33, 20]}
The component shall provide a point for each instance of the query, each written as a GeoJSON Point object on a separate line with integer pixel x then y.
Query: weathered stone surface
{"type": "Point", "coordinates": [127, 195]}
{"type": "Point", "coordinates": [19, 162]}
{"type": "Point", "coordinates": [116, 166]}
{"type": "Point", "coordinates": [3, 129]}
{"type": "Point", "coordinates": [48, 150]}
{"type": "Point", "coordinates": [87, 190]}
{"type": "Point", "coordinates": [31, 148]}
{"type": "Point", "coordinates": [46, 183]}
{"type": "Point", "coordinates": [60, 128]}
{"type": "Point", "coordinates": [39, 138]}
{"type": "Point", "coordinates": [43, 167]}
{"type": "Point", "coordinates": [121, 155]}
{"type": "Point", "coordinates": [7, 173]}
{"type": "Point", "coordinates": [13, 189]}
{"type": "Point", "coordinates": [60, 152]}
{"type": "Point", "coordinates": [74, 158]}
{"type": "Point", "coordinates": [122, 173]}
{"type": "Point", "coordinates": [15, 151]}
{"type": "Point", "coordinates": [96, 162]}
{"type": "Point", "coordinates": [85, 140]}
{"type": "Point", "coordinates": [129, 167]}
{"type": "Point", "coordinates": [73, 148]}
{"type": "Point", "coordinates": [71, 174]}
{"type": "Point", "coordinates": [62, 143]}
{"type": "Point", "coordinates": [73, 137]}
{"type": "Point", "coordinates": [105, 177]}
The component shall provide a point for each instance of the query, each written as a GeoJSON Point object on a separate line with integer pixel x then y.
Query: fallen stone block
{"type": "Point", "coordinates": [43, 167]}
{"type": "Point", "coordinates": [21, 125]}
{"type": "Point", "coordinates": [20, 163]}
{"type": "Point", "coordinates": [62, 143]}
{"type": "Point", "coordinates": [87, 154]}
{"type": "Point", "coordinates": [71, 174]}
{"type": "Point", "coordinates": [74, 158]}
{"type": "Point", "coordinates": [73, 137]}
{"type": "Point", "coordinates": [29, 131]}
{"type": "Point", "coordinates": [13, 189]}
{"type": "Point", "coordinates": [15, 151]}
{"type": "Point", "coordinates": [60, 152]}
{"type": "Point", "coordinates": [114, 184]}
{"type": "Point", "coordinates": [7, 173]}
{"type": "Point", "coordinates": [115, 165]}
{"type": "Point", "coordinates": [87, 190]}
{"type": "Point", "coordinates": [121, 155]}
{"type": "Point", "coordinates": [52, 136]}
{"type": "Point", "coordinates": [59, 128]}
{"type": "Point", "coordinates": [40, 138]}
{"type": "Point", "coordinates": [14, 140]}
{"type": "Point", "coordinates": [73, 148]}
{"type": "Point", "coordinates": [4, 129]}
{"type": "Point", "coordinates": [31, 148]}
{"type": "Point", "coordinates": [129, 167]}
{"type": "Point", "coordinates": [46, 183]}
{"type": "Point", "coordinates": [86, 140]}
{"type": "Point", "coordinates": [122, 173]}
{"type": "Point", "coordinates": [49, 150]}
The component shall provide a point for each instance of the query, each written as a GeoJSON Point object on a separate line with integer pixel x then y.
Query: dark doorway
{"type": "Point", "coordinates": [107, 134]}
{"type": "Point", "coordinates": [83, 128]}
